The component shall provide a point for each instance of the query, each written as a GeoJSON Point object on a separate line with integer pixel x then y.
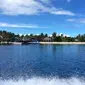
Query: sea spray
{"type": "Point", "coordinates": [44, 81]}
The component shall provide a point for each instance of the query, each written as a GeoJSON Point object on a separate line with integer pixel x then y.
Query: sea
{"type": "Point", "coordinates": [37, 64]}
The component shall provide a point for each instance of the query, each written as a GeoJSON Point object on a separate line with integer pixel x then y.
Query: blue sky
{"type": "Point", "coordinates": [47, 16]}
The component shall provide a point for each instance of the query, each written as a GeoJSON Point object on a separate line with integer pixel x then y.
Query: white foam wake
{"type": "Point", "coordinates": [43, 81]}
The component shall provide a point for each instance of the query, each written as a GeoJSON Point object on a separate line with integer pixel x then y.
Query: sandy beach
{"type": "Point", "coordinates": [62, 42]}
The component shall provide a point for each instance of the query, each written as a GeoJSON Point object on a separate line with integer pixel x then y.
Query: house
{"type": "Point", "coordinates": [33, 40]}
{"type": "Point", "coordinates": [1, 37]}
{"type": "Point", "coordinates": [76, 40]}
{"type": "Point", "coordinates": [26, 39]}
{"type": "Point", "coordinates": [47, 39]}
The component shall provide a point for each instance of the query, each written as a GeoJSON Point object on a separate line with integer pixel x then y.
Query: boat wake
{"type": "Point", "coordinates": [44, 81]}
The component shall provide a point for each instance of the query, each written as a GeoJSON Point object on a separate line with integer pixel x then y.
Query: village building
{"type": "Point", "coordinates": [47, 39]}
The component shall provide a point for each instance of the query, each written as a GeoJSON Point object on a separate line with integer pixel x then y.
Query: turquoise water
{"type": "Point", "coordinates": [34, 63]}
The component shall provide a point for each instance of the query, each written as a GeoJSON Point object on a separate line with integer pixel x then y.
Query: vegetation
{"type": "Point", "coordinates": [11, 37]}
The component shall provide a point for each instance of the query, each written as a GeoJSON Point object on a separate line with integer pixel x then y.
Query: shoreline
{"type": "Point", "coordinates": [62, 42]}
{"type": "Point", "coordinates": [43, 43]}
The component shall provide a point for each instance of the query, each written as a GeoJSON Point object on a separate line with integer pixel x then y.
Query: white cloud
{"type": "Point", "coordinates": [30, 7]}
{"type": "Point", "coordinates": [71, 20]}
{"type": "Point", "coordinates": [63, 12]}
{"type": "Point", "coordinates": [3, 24]}
{"type": "Point", "coordinates": [80, 20]}
{"type": "Point", "coordinates": [16, 7]}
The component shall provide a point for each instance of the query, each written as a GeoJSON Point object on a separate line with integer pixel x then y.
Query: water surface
{"type": "Point", "coordinates": [35, 61]}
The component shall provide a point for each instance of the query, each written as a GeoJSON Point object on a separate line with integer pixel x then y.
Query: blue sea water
{"type": "Point", "coordinates": [36, 64]}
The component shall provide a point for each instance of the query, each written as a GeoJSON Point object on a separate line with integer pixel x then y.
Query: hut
{"type": "Point", "coordinates": [47, 39]}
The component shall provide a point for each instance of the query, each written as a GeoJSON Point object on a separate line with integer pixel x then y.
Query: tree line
{"type": "Point", "coordinates": [11, 37]}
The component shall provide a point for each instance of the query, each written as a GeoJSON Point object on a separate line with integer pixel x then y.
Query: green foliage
{"type": "Point", "coordinates": [8, 36]}
{"type": "Point", "coordinates": [68, 39]}
{"type": "Point", "coordinates": [81, 38]}
{"type": "Point", "coordinates": [54, 36]}
{"type": "Point", "coordinates": [31, 35]}
{"type": "Point", "coordinates": [58, 39]}
{"type": "Point", "coordinates": [46, 35]}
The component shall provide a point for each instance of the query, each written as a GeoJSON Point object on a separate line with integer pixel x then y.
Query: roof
{"type": "Point", "coordinates": [47, 38]}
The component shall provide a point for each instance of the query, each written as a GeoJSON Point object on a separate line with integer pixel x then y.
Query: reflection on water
{"type": "Point", "coordinates": [63, 61]}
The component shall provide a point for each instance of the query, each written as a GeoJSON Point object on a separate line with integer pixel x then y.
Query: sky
{"type": "Point", "coordinates": [47, 16]}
